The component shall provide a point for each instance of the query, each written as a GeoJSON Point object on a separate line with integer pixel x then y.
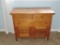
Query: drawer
{"type": "Point", "coordinates": [42, 17]}
{"type": "Point", "coordinates": [22, 16]}
{"type": "Point", "coordinates": [23, 30]}
{"type": "Point", "coordinates": [27, 16]}
{"type": "Point", "coordinates": [31, 23]}
{"type": "Point", "coordinates": [23, 35]}
{"type": "Point", "coordinates": [37, 32]}
{"type": "Point", "coordinates": [18, 16]}
{"type": "Point", "coordinates": [39, 23]}
{"type": "Point", "coordinates": [32, 31]}
{"type": "Point", "coordinates": [23, 22]}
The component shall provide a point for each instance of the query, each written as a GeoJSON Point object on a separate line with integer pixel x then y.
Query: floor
{"type": "Point", "coordinates": [10, 40]}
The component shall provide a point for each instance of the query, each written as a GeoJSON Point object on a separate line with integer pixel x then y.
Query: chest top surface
{"type": "Point", "coordinates": [41, 10]}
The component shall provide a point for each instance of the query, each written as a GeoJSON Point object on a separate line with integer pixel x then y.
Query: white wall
{"type": "Point", "coordinates": [2, 26]}
{"type": "Point", "coordinates": [9, 21]}
{"type": "Point", "coordinates": [35, 0]}
{"type": "Point", "coordinates": [16, 3]}
{"type": "Point", "coordinates": [7, 17]}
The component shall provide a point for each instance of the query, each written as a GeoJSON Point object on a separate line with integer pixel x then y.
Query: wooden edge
{"type": "Point", "coordinates": [31, 13]}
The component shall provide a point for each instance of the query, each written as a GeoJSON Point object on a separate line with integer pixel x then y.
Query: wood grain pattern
{"type": "Point", "coordinates": [30, 23]}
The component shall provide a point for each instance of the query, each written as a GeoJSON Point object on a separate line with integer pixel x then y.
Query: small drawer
{"type": "Point", "coordinates": [23, 22]}
{"type": "Point", "coordinates": [16, 17]}
{"type": "Point", "coordinates": [35, 16]}
{"type": "Point", "coordinates": [24, 35]}
{"type": "Point", "coordinates": [27, 16]}
{"type": "Point", "coordinates": [40, 31]}
{"type": "Point", "coordinates": [22, 16]}
{"type": "Point", "coordinates": [37, 32]}
{"type": "Point", "coordinates": [42, 17]}
{"type": "Point", "coordinates": [39, 23]}
{"type": "Point", "coordinates": [23, 30]}
{"type": "Point", "coordinates": [32, 31]}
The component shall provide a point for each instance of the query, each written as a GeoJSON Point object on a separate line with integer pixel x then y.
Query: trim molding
{"type": "Point", "coordinates": [54, 30]}
{"type": "Point", "coordinates": [4, 30]}
{"type": "Point", "coordinates": [59, 30]}
{"type": "Point", "coordinates": [4, 14]}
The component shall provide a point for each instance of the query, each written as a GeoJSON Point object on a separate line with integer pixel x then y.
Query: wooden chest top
{"type": "Point", "coordinates": [45, 10]}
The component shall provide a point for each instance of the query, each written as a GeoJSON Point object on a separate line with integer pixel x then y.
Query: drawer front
{"type": "Point", "coordinates": [27, 16]}
{"type": "Point", "coordinates": [30, 23]}
{"type": "Point", "coordinates": [37, 32]}
{"type": "Point", "coordinates": [18, 16]}
{"type": "Point", "coordinates": [39, 23]}
{"type": "Point", "coordinates": [23, 31]}
{"type": "Point", "coordinates": [23, 16]}
{"type": "Point", "coordinates": [42, 16]}
{"type": "Point", "coordinates": [23, 22]}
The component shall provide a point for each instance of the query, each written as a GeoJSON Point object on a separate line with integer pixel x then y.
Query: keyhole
{"type": "Point", "coordinates": [41, 16]}
{"type": "Point", "coordinates": [23, 16]}
{"type": "Point", "coordinates": [18, 23]}
{"type": "Point", "coordinates": [45, 22]}
{"type": "Point", "coordinates": [32, 16]}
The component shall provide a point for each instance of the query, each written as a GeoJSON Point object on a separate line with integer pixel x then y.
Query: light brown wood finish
{"type": "Point", "coordinates": [32, 22]}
